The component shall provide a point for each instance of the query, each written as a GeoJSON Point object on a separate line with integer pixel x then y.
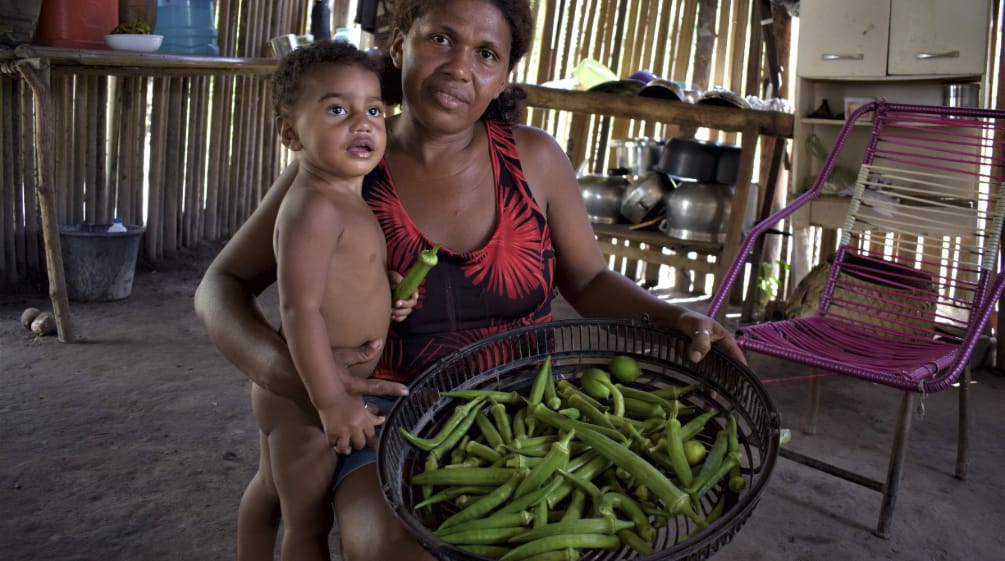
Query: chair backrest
{"type": "Point", "coordinates": [921, 238]}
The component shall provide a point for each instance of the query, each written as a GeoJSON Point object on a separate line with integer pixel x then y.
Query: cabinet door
{"type": "Point", "coordinates": [938, 37]}
{"type": "Point", "coordinates": [843, 39]}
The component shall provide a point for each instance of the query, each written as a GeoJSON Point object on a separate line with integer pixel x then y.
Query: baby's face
{"type": "Point", "coordinates": [339, 121]}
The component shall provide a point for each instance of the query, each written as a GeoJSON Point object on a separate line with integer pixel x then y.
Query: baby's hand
{"type": "Point", "coordinates": [401, 308]}
{"type": "Point", "coordinates": [349, 424]}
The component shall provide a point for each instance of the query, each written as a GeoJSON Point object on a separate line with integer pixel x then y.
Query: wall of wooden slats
{"type": "Point", "coordinates": [190, 156]}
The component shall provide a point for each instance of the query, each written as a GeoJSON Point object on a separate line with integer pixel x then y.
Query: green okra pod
{"type": "Point", "coordinates": [696, 425]}
{"type": "Point", "coordinates": [463, 476]}
{"type": "Point", "coordinates": [505, 520]}
{"type": "Point", "coordinates": [675, 500]}
{"type": "Point", "coordinates": [675, 449]}
{"type": "Point", "coordinates": [486, 503]}
{"type": "Point", "coordinates": [556, 543]}
{"type": "Point", "coordinates": [484, 536]}
{"type": "Point", "coordinates": [494, 396]}
{"type": "Point", "coordinates": [448, 427]}
{"type": "Point", "coordinates": [416, 273]}
{"type": "Point", "coordinates": [556, 458]}
{"type": "Point", "coordinates": [605, 525]}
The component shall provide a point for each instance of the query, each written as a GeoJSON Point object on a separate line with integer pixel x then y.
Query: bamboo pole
{"type": "Point", "coordinates": [36, 73]}
{"type": "Point", "coordinates": [29, 154]}
{"type": "Point", "coordinates": [159, 120]}
{"type": "Point", "coordinates": [8, 93]}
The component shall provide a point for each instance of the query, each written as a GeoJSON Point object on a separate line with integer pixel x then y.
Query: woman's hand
{"type": "Point", "coordinates": [704, 332]}
{"type": "Point", "coordinates": [401, 308]}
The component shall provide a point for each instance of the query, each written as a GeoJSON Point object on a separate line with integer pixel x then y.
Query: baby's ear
{"type": "Point", "coordinates": [287, 134]}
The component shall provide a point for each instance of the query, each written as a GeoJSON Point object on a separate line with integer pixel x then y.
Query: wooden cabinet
{"type": "Point", "coordinates": [900, 50]}
{"type": "Point", "coordinates": [869, 38]}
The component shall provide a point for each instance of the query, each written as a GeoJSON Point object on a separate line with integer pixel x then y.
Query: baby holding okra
{"type": "Point", "coordinates": [334, 292]}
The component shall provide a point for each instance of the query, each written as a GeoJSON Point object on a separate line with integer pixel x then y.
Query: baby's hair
{"type": "Point", "coordinates": [289, 76]}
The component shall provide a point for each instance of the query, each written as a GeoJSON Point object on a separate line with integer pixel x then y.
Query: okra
{"type": "Point", "coordinates": [456, 418]}
{"type": "Point", "coordinates": [611, 501]}
{"type": "Point", "coordinates": [449, 493]}
{"type": "Point", "coordinates": [556, 543]}
{"type": "Point", "coordinates": [505, 520]}
{"type": "Point", "coordinates": [675, 450]}
{"type": "Point", "coordinates": [635, 542]}
{"type": "Point", "coordinates": [541, 380]}
{"type": "Point", "coordinates": [532, 498]}
{"type": "Point", "coordinates": [488, 430]}
{"type": "Point", "coordinates": [574, 510]}
{"type": "Point", "coordinates": [643, 395]}
{"type": "Point", "coordinates": [494, 396]}
{"type": "Point", "coordinates": [674, 392]}
{"type": "Point", "coordinates": [567, 554]}
{"type": "Point", "coordinates": [696, 425]}
{"type": "Point", "coordinates": [597, 384]}
{"type": "Point", "coordinates": [463, 476]}
{"type": "Point", "coordinates": [476, 448]}
{"type": "Point", "coordinates": [713, 460]}
{"type": "Point", "coordinates": [605, 525]}
{"type": "Point", "coordinates": [640, 409]}
{"type": "Point", "coordinates": [501, 419]}
{"type": "Point", "coordinates": [487, 503]}
{"type": "Point", "coordinates": [416, 273]}
{"type": "Point", "coordinates": [556, 458]}
{"type": "Point", "coordinates": [675, 500]}
{"type": "Point", "coordinates": [459, 432]}
{"type": "Point", "coordinates": [596, 416]}
{"type": "Point", "coordinates": [485, 536]}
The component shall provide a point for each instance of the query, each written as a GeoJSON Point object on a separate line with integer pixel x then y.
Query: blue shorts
{"type": "Point", "coordinates": [349, 463]}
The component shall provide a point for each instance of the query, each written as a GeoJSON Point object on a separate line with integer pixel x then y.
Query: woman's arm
{"type": "Point", "coordinates": [582, 274]}
{"type": "Point", "coordinates": [225, 302]}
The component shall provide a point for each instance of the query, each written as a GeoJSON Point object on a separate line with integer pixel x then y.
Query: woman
{"type": "Point", "coordinates": [502, 200]}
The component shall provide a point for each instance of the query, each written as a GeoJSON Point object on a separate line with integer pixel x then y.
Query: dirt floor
{"type": "Point", "coordinates": [136, 443]}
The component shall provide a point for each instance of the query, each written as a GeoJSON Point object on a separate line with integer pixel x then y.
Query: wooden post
{"type": "Point", "coordinates": [36, 73]}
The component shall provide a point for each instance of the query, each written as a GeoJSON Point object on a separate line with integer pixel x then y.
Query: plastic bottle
{"type": "Point", "coordinates": [117, 226]}
{"type": "Point", "coordinates": [321, 21]}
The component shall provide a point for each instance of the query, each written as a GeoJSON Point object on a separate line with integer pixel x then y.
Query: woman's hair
{"type": "Point", "coordinates": [509, 105]}
{"type": "Point", "coordinates": [289, 75]}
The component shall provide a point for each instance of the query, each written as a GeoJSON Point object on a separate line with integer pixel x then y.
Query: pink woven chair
{"type": "Point", "coordinates": [912, 283]}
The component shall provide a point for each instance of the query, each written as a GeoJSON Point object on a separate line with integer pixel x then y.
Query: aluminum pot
{"type": "Point", "coordinates": [727, 162]}
{"type": "Point", "coordinates": [690, 158]}
{"type": "Point", "coordinates": [602, 195]}
{"type": "Point", "coordinates": [644, 197]}
{"type": "Point", "coordinates": [697, 211]}
{"type": "Point", "coordinates": [636, 156]}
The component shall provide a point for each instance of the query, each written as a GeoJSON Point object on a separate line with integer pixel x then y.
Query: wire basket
{"type": "Point", "coordinates": [509, 361]}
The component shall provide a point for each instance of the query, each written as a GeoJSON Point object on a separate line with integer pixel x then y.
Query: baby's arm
{"type": "Point", "coordinates": [307, 232]}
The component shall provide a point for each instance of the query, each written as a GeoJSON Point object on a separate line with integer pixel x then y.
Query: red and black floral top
{"type": "Point", "coordinates": [510, 282]}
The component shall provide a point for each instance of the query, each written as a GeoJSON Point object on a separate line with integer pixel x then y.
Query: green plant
{"type": "Point", "coordinates": [770, 281]}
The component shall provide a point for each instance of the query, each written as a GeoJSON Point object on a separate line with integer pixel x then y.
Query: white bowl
{"type": "Point", "coordinates": [139, 42]}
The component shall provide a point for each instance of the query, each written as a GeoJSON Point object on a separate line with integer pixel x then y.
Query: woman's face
{"type": "Point", "coordinates": [454, 61]}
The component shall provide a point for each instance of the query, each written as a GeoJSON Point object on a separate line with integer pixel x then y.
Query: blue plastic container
{"type": "Point", "coordinates": [188, 27]}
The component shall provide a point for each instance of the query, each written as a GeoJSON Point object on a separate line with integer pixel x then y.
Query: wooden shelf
{"type": "Point", "coordinates": [107, 61]}
{"type": "Point", "coordinates": [768, 123]}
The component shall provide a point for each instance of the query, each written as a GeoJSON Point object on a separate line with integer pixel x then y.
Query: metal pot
{"type": "Point", "coordinates": [602, 195]}
{"type": "Point", "coordinates": [643, 199]}
{"type": "Point", "coordinates": [689, 157]}
{"type": "Point", "coordinates": [727, 162]}
{"type": "Point", "coordinates": [698, 211]}
{"type": "Point", "coordinates": [636, 156]}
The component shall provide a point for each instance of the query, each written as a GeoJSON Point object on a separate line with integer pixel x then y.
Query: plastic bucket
{"type": "Point", "coordinates": [76, 24]}
{"type": "Point", "coordinates": [188, 27]}
{"type": "Point", "coordinates": [99, 265]}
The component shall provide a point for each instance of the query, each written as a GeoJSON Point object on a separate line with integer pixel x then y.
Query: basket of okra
{"type": "Point", "coordinates": [579, 439]}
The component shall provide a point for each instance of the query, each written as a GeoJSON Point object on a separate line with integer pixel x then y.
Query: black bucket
{"type": "Point", "coordinates": [99, 265]}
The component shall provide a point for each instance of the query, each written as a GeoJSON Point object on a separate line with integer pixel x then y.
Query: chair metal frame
{"type": "Point", "coordinates": [930, 175]}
